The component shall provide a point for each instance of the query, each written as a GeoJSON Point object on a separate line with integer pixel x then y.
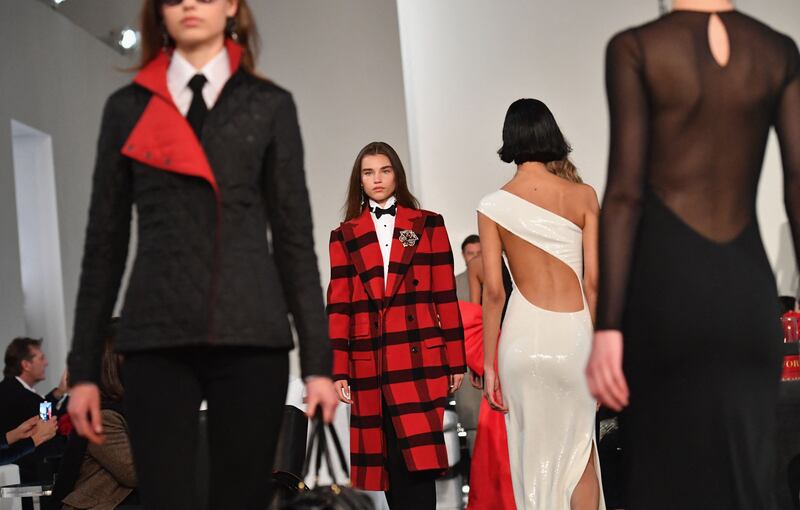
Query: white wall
{"type": "Point", "coordinates": [39, 246]}
{"type": "Point", "coordinates": [465, 61]}
{"type": "Point", "coordinates": [55, 79]}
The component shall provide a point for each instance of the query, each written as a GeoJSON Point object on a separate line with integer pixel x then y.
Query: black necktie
{"type": "Point", "coordinates": [389, 210]}
{"type": "Point", "coordinates": [198, 109]}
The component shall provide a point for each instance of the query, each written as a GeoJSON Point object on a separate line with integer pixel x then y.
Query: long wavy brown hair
{"type": "Point", "coordinates": [154, 37]}
{"type": "Point", "coordinates": [110, 365]}
{"type": "Point", "coordinates": [355, 195]}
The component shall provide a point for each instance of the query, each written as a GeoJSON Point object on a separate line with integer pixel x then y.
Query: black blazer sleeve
{"type": "Point", "coordinates": [289, 213]}
{"type": "Point", "coordinates": [105, 249]}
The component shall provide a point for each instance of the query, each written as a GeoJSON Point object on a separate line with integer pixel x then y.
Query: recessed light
{"type": "Point", "coordinates": [128, 38]}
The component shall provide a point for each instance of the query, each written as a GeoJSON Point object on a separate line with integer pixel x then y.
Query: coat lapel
{"type": "Point", "coordinates": [361, 242]}
{"type": "Point", "coordinates": [407, 221]}
{"type": "Point", "coordinates": [163, 138]}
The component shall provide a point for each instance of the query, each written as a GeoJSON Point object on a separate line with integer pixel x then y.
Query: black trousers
{"type": "Point", "coordinates": [408, 490]}
{"type": "Point", "coordinates": [245, 389]}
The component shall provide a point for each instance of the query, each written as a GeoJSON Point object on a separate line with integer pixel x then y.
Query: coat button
{"type": "Point", "coordinates": [414, 349]}
{"type": "Point", "coordinates": [416, 282]}
{"type": "Point", "coordinates": [410, 317]}
{"type": "Point", "coordinates": [376, 324]}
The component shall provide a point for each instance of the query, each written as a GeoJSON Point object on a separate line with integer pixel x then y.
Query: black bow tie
{"type": "Point", "coordinates": [389, 210]}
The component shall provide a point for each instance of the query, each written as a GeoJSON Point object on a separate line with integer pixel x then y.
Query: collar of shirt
{"type": "Point", "coordinates": [373, 204]}
{"type": "Point", "coordinates": [180, 71]}
{"type": "Point", "coordinates": [26, 386]}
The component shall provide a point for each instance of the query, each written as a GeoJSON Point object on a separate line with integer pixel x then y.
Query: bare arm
{"type": "Point", "coordinates": [494, 295]}
{"type": "Point", "coordinates": [590, 255]}
{"type": "Point", "coordinates": [475, 277]}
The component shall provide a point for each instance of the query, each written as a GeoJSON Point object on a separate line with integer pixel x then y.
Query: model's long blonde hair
{"type": "Point", "coordinates": [565, 169]}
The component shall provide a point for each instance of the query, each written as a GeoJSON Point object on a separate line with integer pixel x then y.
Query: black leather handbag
{"type": "Point", "coordinates": [326, 497]}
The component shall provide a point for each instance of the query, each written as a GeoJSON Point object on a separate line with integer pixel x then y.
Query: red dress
{"type": "Point", "coordinates": [490, 474]}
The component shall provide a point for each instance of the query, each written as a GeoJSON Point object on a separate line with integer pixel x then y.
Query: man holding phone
{"type": "Point", "coordinates": [25, 366]}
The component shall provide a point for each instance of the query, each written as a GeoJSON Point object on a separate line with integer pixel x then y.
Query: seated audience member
{"type": "Point", "coordinates": [470, 249]}
{"type": "Point", "coordinates": [19, 442]}
{"type": "Point", "coordinates": [101, 477]}
{"type": "Point", "coordinates": [468, 398]}
{"type": "Point", "coordinates": [25, 366]}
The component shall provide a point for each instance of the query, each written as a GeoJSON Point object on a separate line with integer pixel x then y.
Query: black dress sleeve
{"type": "Point", "coordinates": [293, 241]}
{"type": "Point", "coordinates": [622, 202]}
{"type": "Point", "coordinates": [787, 126]}
{"type": "Point", "coordinates": [105, 249]}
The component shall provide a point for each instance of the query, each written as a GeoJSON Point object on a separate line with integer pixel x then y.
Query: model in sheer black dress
{"type": "Point", "coordinates": [684, 276]}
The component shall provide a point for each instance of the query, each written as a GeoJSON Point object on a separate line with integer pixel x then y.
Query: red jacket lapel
{"type": "Point", "coordinates": [162, 138]}
{"type": "Point", "coordinates": [361, 242]}
{"type": "Point", "coordinates": [408, 224]}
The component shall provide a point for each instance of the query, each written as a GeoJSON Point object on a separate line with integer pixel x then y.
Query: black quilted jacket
{"type": "Point", "coordinates": [204, 273]}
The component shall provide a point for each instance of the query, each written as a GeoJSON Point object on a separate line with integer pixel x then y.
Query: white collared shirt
{"type": "Point", "coordinates": [180, 71]}
{"type": "Point", "coordinates": [384, 228]}
{"type": "Point", "coordinates": [27, 386]}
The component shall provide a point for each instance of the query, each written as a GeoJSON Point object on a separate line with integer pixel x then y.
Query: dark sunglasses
{"type": "Point", "coordinates": [172, 3]}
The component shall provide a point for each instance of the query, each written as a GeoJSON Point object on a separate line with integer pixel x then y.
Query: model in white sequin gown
{"type": "Point", "coordinates": [541, 360]}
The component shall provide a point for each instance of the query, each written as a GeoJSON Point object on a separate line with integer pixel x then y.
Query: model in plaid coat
{"type": "Point", "coordinates": [398, 341]}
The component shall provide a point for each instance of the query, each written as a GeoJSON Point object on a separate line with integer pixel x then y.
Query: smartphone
{"type": "Point", "coordinates": [45, 411]}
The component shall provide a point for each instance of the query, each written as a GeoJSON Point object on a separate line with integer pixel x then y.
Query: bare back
{"type": "Point", "coordinates": [541, 277]}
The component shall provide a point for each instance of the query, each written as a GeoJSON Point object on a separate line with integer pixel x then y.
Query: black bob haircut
{"type": "Point", "coordinates": [530, 133]}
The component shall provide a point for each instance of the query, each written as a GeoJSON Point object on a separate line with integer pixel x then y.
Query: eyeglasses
{"type": "Point", "coordinates": [172, 3]}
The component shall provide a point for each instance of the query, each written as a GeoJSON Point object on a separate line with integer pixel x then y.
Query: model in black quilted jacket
{"type": "Point", "coordinates": [205, 314]}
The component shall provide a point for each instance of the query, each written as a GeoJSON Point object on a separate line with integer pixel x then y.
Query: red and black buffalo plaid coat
{"type": "Point", "coordinates": [400, 345]}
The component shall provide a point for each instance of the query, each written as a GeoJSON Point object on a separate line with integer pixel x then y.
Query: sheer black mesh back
{"type": "Point", "coordinates": [694, 132]}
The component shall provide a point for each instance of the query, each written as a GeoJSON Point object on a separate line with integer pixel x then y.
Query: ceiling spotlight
{"type": "Point", "coordinates": [128, 38]}
{"type": "Point", "coordinates": [59, 2]}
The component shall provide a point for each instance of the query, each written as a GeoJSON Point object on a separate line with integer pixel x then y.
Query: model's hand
{"type": "Point", "coordinates": [343, 391]}
{"type": "Point", "coordinates": [321, 393]}
{"type": "Point", "coordinates": [44, 431]}
{"type": "Point", "coordinates": [604, 370]}
{"type": "Point", "coordinates": [84, 411]}
{"type": "Point", "coordinates": [455, 382]}
{"type": "Point", "coordinates": [475, 380]}
{"type": "Point", "coordinates": [492, 390]}
{"type": "Point", "coordinates": [25, 429]}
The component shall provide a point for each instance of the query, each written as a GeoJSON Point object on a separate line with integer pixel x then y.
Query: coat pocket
{"type": "Point", "coordinates": [436, 341]}
{"type": "Point", "coordinates": [361, 329]}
